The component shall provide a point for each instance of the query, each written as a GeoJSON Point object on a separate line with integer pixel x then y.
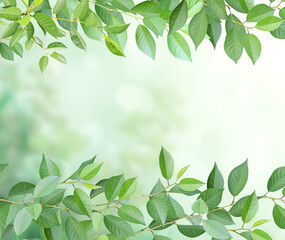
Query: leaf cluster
{"type": "Point", "coordinates": [65, 21]}
{"type": "Point", "coordinates": [87, 207]}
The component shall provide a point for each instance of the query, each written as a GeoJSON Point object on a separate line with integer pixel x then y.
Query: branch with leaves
{"type": "Point", "coordinates": [198, 20]}
{"type": "Point", "coordinates": [84, 215]}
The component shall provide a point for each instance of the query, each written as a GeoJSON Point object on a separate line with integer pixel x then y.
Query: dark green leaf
{"type": "Point", "coordinates": [178, 17]}
{"type": "Point", "coordinates": [215, 179]}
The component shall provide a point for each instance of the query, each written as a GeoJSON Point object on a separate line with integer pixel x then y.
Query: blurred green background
{"type": "Point", "coordinates": [124, 109]}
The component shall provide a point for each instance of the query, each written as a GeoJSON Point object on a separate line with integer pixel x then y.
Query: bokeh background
{"type": "Point", "coordinates": [124, 109]}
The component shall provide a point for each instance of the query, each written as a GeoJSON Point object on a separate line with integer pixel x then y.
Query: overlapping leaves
{"type": "Point", "coordinates": [73, 204]}
{"type": "Point", "coordinates": [179, 22]}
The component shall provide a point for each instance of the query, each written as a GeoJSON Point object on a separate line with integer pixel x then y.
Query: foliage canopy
{"type": "Point", "coordinates": [109, 20]}
{"type": "Point", "coordinates": [74, 204]}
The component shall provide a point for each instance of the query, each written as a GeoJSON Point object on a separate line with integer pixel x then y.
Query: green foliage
{"type": "Point", "coordinates": [83, 215]}
{"type": "Point", "coordinates": [182, 21]}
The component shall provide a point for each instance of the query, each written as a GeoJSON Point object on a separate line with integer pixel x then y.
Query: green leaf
{"type": "Point", "coordinates": [25, 20]}
{"type": "Point", "coordinates": [92, 20]}
{"type": "Point", "coordinates": [178, 17]}
{"type": "Point", "coordinates": [10, 30]}
{"type": "Point", "coordinates": [90, 171]}
{"type": "Point", "coordinates": [259, 12]}
{"type": "Point", "coordinates": [21, 189]}
{"type": "Point", "coordinates": [70, 203]}
{"type": "Point", "coordinates": [74, 229]}
{"type": "Point", "coordinates": [216, 229]}
{"type": "Point", "coordinates": [117, 28]}
{"type": "Point", "coordinates": [131, 214]}
{"type": "Point", "coordinates": [279, 216]}
{"type": "Point", "coordinates": [174, 209]}
{"type": "Point", "coordinates": [112, 187]}
{"type": "Point", "coordinates": [237, 208]}
{"type": "Point", "coordinates": [279, 32]}
{"type": "Point", "coordinates": [34, 210]}
{"type": "Point", "coordinates": [212, 197]}
{"type": "Point", "coordinates": [177, 189]}
{"type": "Point", "coordinates": [30, 31]}
{"type": "Point", "coordinates": [198, 27]}
{"type": "Point", "coordinates": [221, 216]}
{"type": "Point", "coordinates": [53, 198]}
{"type": "Point", "coordinates": [246, 5]}
{"type": "Point", "coordinates": [157, 209]}
{"type": "Point", "coordinates": [48, 218]}
{"type": "Point", "coordinates": [91, 186]}
{"type": "Point", "coordinates": [159, 237]}
{"type": "Point", "coordinates": [8, 213]}
{"type": "Point", "coordinates": [260, 222]}
{"type": "Point", "coordinates": [158, 191]}
{"type": "Point", "coordinates": [46, 23]}
{"type": "Point", "coordinates": [270, 23]}
{"type": "Point", "coordinates": [124, 5]}
{"type": "Point", "coordinates": [17, 36]}
{"type": "Point", "coordinates": [233, 45]}
{"type": "Point", "coordinates": [155, 24]}
{"type": "Point", "coordinates": [215, 179]}
{"type": "Point", "coordinates": [18, 49]}
{"type": "Point", "coordinates": [56, 46]}
{"type": "Point", "coordinates": [10, 13]}
{"type": "Point", "coordinates": [46, 186]}
{"type": "Point", "coordinates": [47, 167]}
{"type": "Point", "coordinates": [22, 221]}
{"type": "Point", "coordinates": [53, 233]}
{"type": "Point", "coordinates": [214, 32]}
{"type": "Point", "coordinates": [238, 178]}
{"type": "Point", "coordinates": [128, 188]}
{"type": "Point", "coordinates": [59, 6]}
{"type": "Point", "coordinates": [77, 39]}
{"type": "Point", "coordinates": [100, 190]}
{"type": "Point", "coordinates": [246, 235]}
{"type": "Point", "coordinates": [276, 180]}
{"type": "Point", "coordinates": [43, 63]}
{"type": "Point", "coordinates": [83, 201]}
{"type": "Point", "coordinates": [9, 2]}
{"type": "Point", "coordinates": [250, 208]}
{"type": "Point", "coordinates": [233, 23]}
{"type": "Point", "coordinates": [191, 231]}
{"type": "Point", "coordinates": [179, 48]}
{"type": "Point", "coordinates": [118, 227]}
{"type": "Point", "coordinates": [258, 234]}
{"type": "Point", "coordinates": [113, 46]}
{"type": "Point", "coordinates": [81, 11]}
{"type": "Point", "coordinates": [199, 206]}
{"type": "Point", "coordinates": [182, 171]}
{"type": "Point", "coordinates": [166, 163]}
{"type": "Point", "coordinates": [218, 8]}
{"type": "Point", "coordinates": [190, 184]}
{"type": "Point", "coordinates": [282, 13]}
{"type": "Point", "coordinates": [252, 46]}
{"type": "Point", "coordinates": [77, 174]}
{"type": "Point", "coordinates": [121, 38]}
{"type": "Point", "coordinates": [145, 41]}
{"type": "Point", "coordinates": [6, 52]}
{"type": "Point", "coordinates": [147, 9]}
